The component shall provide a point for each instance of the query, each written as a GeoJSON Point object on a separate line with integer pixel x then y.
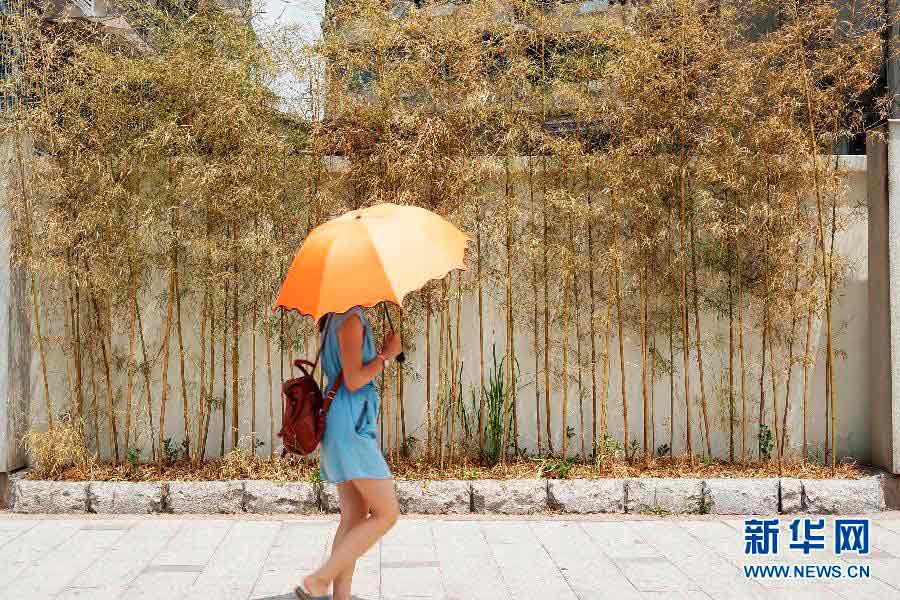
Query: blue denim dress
{"type": "Point", "coordinates": [349, 448]}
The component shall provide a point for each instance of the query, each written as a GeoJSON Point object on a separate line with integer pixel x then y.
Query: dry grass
{"type": "Point", "coordinates": [59, 449]}
{"type": "Point", "coordinates": [240, 464]}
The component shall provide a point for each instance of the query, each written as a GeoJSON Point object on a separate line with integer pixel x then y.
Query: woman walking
{"type": "Point", "coordinates": [350, 456]}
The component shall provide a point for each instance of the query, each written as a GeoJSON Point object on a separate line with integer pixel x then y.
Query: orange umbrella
{"type": "Point", "coordinates": [371, 255]}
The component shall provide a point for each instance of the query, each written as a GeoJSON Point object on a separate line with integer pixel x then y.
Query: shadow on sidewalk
{"type": "Point", "coordinates": [292, 596]}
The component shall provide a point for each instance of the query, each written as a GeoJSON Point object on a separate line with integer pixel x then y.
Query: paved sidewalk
{"type": "Point", "coordinates": [543, 558]}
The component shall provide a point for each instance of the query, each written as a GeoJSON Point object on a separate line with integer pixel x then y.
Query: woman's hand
{"type": "Point", "coordinates": [392, 347]}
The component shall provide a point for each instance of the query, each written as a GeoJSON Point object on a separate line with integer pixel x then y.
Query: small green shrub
{"type": "Point", "coordinates": [134, 458]}
{"type": "Point", "coordinates": [555, 468]}
{"type": "Point", "coordinates": [608, 450]}
{"type": "Point", "coordinates": [766, 442]}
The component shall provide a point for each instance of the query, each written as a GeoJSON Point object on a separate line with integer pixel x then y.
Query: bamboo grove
{"type": "Point", "coordinates": [651, 192]}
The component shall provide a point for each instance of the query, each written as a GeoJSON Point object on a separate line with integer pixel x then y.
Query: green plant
{"type": "Point", "coordinates": [497, 418]}
{"type": "Point", "coordinates": [766, 442]}
{"type": "Point", "coordinates": [134, 458]}
{"type": "Point", "coordinates": [633, 449]}
{"type": "Point", "coordinates": [608, 450]}
{"type": "Point", "coordinates": [663, 450]}
{"type": "Point", "coordinates": [170, 451]}
{"type": "Point", "coordinates": [555, 468]}
{"type": "Point", "coordinates": [315, 477]}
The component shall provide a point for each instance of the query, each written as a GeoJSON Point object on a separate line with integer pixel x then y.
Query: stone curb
{"type": "Point", "coordinates": [35, 496]}
{"type": "Point", "coordinates": [127, 497]}
{"type": "Point", "coordinates": [281, 497]}
{"type": "Point", "coordinates": [848, 496]}
{"type": "Point", "coordinates": [741, 496]}
{"type": "Point", "coordinates": [665, 496]}
{"type": "Point", "coordinates": [509, 497]}
{"type": "Point", "coordinates": [586, 496]}
{"type": "Point", "coordinates": [205, 497]}
{"type": "Point", "coordinates": [439, 497]}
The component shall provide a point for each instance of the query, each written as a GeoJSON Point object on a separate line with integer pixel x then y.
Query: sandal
{"type": "Point", "coordinates": [302, 594]}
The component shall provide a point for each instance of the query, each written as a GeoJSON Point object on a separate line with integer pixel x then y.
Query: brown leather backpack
{"type": "Point", "coordinates": [303, 423]}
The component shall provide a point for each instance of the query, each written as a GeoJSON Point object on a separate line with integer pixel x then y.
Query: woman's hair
{"type": "Point", "coordinates": [322, 321]}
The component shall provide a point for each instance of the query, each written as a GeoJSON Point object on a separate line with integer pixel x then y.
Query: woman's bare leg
{"type": "Point", "coordinates": [353, 512]}
{"type": "Point", "coordinates": [379, 495]}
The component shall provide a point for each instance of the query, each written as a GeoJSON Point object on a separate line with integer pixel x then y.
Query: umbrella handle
{"type": "Point", "coordinates": [402, 356]}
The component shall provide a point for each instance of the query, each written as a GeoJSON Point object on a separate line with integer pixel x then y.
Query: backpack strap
{"type": "Point", "coordinates": [332, 392]}
{"type": "Point", "coordinates": [339, 380]}
{"type": "Point", "coordinates": [322, 343]}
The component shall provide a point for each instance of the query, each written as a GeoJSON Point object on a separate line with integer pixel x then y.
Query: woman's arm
{"type": "Point", "coordinates": [350, 338]}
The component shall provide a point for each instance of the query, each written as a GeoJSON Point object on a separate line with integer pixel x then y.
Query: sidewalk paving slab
{"type": "Point", "coordinates": [470, 557]}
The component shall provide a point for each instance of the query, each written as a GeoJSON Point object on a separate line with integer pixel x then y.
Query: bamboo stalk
{"type": "Point", "coordinates": [565, 365]}
{"type": "Point", "coordinates": [821, 239]}
{"type": "Point", "coordinates": [225, 298]}
{"type": "Point", "coordinates": [74, 342]}
{"type": "Point", "coordinates": [428, 424]}
{"type": "Point", "coordinates": [146, 373]}
{"type": "Point", "coordinates": [403, 382]}
{"type": "Point", "coordinates": [829, 340]}
{"type": "Point", "coordinates": [671, 385]}
{"type": "Point", "coordinates": [619, 321]}
{"type": "Point", "coordinates": [730, 366]}
{"type": "Point", "coordinates": [794, 319]}
{"type": "Point", "coordinates": [235, 353]}
{"type": "Point", "coordinates": [79, 368]}
{"type": "Point", "coordinates": [453, 362]}
{"type": "Point", "coordinates": [546, 313]}
{"type": "Point", "coordinates": [698, 334]}
{"type": "Point", "coordinates": [170, 302]}
{"type": "Point", "coordinates": [480, 338]}
{"type": "Point", "coordinates": [204, 393]}
{"type": "Point", "coordinates": [267, 329]}
{"type": "Point", "coordinates": [772, 377]}
{"type": "Point", "coordinates": [578, 362]}
{"type": "Point", "coordinates": [807, 354]}
{"type": "Point", "coordinates": [592, 322]}
{"type": "Point", "coordinates": [606, 334]}
{"type": "Point", "coordinates": [110, 402]}
{"type": "Point", "coordinates": [441, 388]}
{"type": "Point", "coordinates": [95, 409]}
{"type": "Point", "coordinates": [740, 303]}
{"type": "Point", "coordinates": [130, 384]}
{"type": "Point", "coordinates": [212, 377]}
{"type": "Point", "coordinates": [671, 236]}
{"type": "Point", "coordinates": [184, 396]}
{"type": "Point", "coordinates": [653, 445]}
{"type": "Point", "coordinates": [762, 371]}
{"type": "Point", "coordinates": [645, 392]}
{"type": "Point", "coordinates": [534, 289]}
{"type": "Point", "coordinates": [42, 352]}
{"type": "Point", "coordinates": [684, 267]}
{"type": "Point", "coordinates": [68, 343]}
{"type": "Point", "coordinates": [507, 400]}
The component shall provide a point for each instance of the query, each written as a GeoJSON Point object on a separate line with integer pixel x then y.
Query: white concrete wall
{"type": "Point", "coordinates": [14, 343]}
{"type": "Point", "coordinates": [850, 312]}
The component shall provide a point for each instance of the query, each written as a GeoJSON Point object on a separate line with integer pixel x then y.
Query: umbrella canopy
{"type": "Point", "coordinates": [371, 255]}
